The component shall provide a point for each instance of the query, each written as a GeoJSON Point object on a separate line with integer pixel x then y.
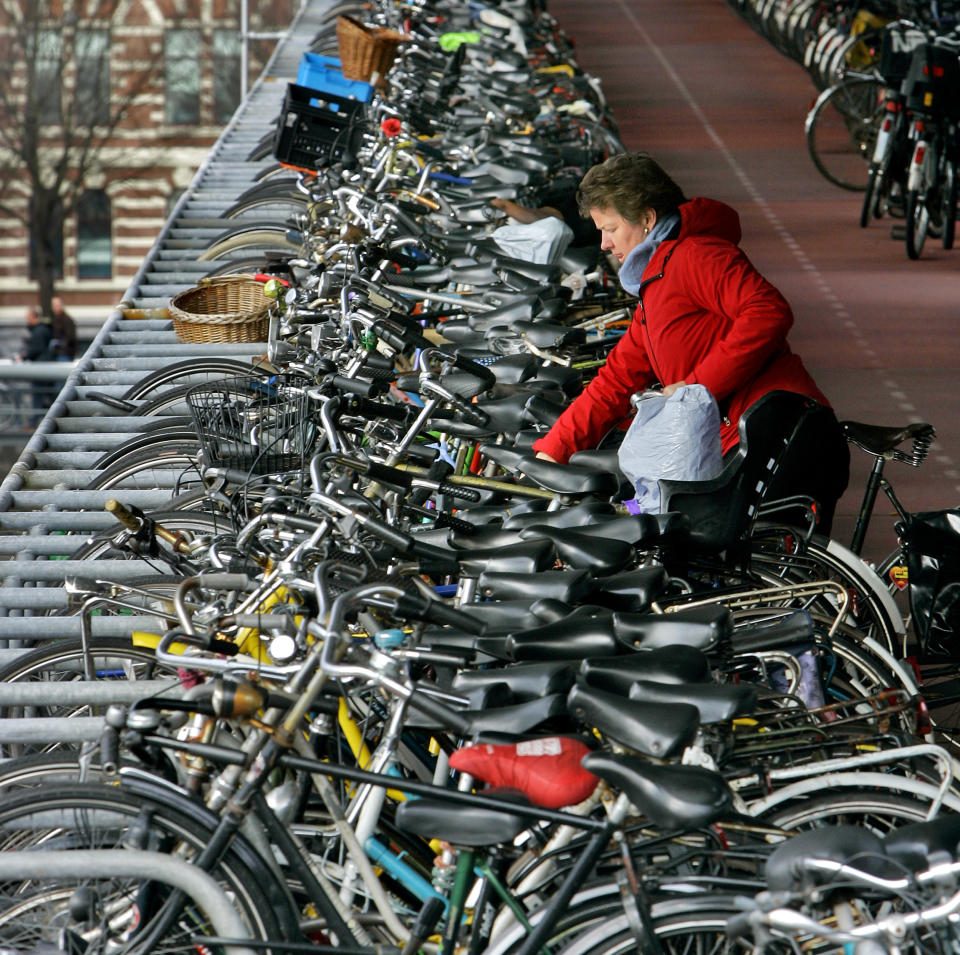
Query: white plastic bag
{"type": "Point", "coordinates": [541, 242]}
{"type": "Point", "coordinates": [676, 438]}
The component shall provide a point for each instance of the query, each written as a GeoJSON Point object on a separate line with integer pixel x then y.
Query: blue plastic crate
{"type": "Point", "coordinates": [322, 73]}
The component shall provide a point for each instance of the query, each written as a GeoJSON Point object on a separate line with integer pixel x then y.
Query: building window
{"type": "Point", "coordinates": [226, 74]}
{"type": "Point", "coordinates": [53, 230]}
{"type": "Point", "coordinates": [93, 235]}
{"type": "Point", "coordinates": [48, 74]}
{"type": "Point", "coordinates": [181, 57]}
{"type": "Point", "coordinates": [93, 77]}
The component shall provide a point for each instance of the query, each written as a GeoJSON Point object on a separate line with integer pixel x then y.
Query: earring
{"type": "Point", "coordinates": [646, 230]}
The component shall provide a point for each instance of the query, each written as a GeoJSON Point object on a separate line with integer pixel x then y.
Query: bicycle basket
{"type": "Point", "coordinates": [366, 52]}
{"type": "Point", "coordinates": [932, 543]}
{"type": "Point", "coordinates": [230, 308]}
{"type": "Point", "coordinates": [253, 425]}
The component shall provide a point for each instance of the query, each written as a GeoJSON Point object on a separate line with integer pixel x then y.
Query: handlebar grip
{"type": "Point", "coordinates": [459, 491]}
{"type": "Point", "coordinates": [398, 540]}
{"type": "Point", "coordinates": [122, 514]}
{"type": "Point", "coordinates": [377, 409]}
{"type": "Point", "coordinates": [439, 613]}
{"type": "Point", "coordinates": [385, 474]}
{"type": "Point", "coordinates": [225, 581]}
{"type": "Point", "coordinates": [443, 714]}
{"type": "Point", "coordinates": [471, 367]}
{"type": "Point", "coordinates": [400, 339]}
{"type": "Point", "coordinates": [109, 751]}
{"type": "Point", "coordinates": [226, 647]}
{"type": "Point", "coordinates": [407, 221]}
{"type": "Point", "coordinates": [355, 386]}
{"type": "Point", "coordinates": [230, 475]}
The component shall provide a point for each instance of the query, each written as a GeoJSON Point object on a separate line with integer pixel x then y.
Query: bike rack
{"type": "Point", "coordinates": [135, 864]}
{"type": "Point", "coordinates": [45, 513]}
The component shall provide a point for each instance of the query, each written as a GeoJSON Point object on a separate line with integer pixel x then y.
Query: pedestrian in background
{"type": "Point", "coordinates": [64, 330]}
{"type": "Point", "coordinates": [38, 346]}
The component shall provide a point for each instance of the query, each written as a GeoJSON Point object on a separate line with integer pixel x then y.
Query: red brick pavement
{"type": "Point", "coordinates": [723, 111]}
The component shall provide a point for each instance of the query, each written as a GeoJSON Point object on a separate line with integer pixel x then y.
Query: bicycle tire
{"type": "Point", "coordinates": [247, 239]}
{"type": "Point", "coordinates": [176, 468]}
{"type": "Point", "coordinates": [872, 197]}
{"type": "Point", "coordinates": [917, 223]}
{"type": "Point", "coordinates": [191, 371]}
{"type": "Point", "coordinates": [93, 816]}
{"type": "Point", "coordinates": [779, 554]}
{"type": "Point", "coordinates": [63, 659]}
{"type": "Point", "coordinates": [948, 204]}
{"type": "Point", "coordinates": [695, 923]}
{"type": "Point", "coordinates": [841, 129]}
{"type": "Point", "coordinates": [241, 266]}
{"type": "Point", "coordinates": [43, 769]}
{"type": "Point", "coordinates": [879, 811]}
{"type": "Point", "coordinates": [163, 440]}
{"type": "Point", "coordinates": [170, 403]}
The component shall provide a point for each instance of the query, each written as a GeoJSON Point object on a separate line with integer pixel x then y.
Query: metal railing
{"type": "Point", "coordinates": [45, 509]}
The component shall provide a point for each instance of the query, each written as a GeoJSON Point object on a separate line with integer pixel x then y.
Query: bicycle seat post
{"type": "Point", "coordinates": [874, 482]}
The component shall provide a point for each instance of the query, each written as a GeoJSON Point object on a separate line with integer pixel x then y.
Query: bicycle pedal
{"type": "Point", "coordinates": [898, 231]}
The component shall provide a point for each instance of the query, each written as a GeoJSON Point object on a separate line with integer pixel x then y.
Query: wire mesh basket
{"type": "Point", "coordinates": [254, 425]}
{"type": "Point", "coordinates": [229, 308]}
{"type": "Point", "coordinates": [366, 52]}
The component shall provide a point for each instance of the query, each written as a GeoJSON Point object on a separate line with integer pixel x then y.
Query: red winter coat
{"type": "Point", "coordinates": [706, 316]}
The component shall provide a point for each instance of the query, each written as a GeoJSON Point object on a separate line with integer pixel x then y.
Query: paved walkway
{"type": "Point", "coordinates": [723, 111]}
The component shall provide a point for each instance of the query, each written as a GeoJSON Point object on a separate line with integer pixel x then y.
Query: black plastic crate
{"type": "Point", "coordinates": [317, 128]}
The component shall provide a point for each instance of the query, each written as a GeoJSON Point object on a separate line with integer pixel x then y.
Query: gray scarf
{"type": "Point", "coordinates": [634, 265]}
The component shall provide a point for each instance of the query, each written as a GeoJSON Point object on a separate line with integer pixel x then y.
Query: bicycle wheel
{"type": "Point", "coordinates": [164, 439]}
{"type": "Point", "coordinates": [241, 266]}
{"type": "Point", "coordinates": [111, 913]}
{"type": "Point", "coordinates": [841, 129]}
{"type": "Point", "coordinates": [172, 401]}
{"type": "Point", "coordinates": [878, 811]}
{"type": "Point", "coordinates": [918, 222]}
{"type": "Point", "coordinates": [42, 769]}
{"type": "Point", "coordinates": [779, 553]}
{"type": "Point", "coordinates": [684, 925]}
{"type": "Point", "coordinates": [63, 660]}
{"type": "Point", "coordinates": [250, 239]}
{"type": "Point", "coordinates": [175, 469]}
{"type": "Point", "coordinates": [193, 371]}
{"type": "Point", "coordinates": [872, 207]}
{"type": "Point", "coordinates": [948, 203]}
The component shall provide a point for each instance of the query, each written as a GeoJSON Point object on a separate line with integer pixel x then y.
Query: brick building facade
{"type": "Point", "coordinates": [190, 55]}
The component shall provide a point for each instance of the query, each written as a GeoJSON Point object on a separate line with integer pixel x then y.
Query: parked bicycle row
{"type": "Point", "coordinates": [367, 598]}
{"type": "Point", "coordinates": [885, 121]}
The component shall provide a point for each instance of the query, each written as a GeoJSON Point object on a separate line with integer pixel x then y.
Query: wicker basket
{"type": "Point", "coordinates": [230, 308]}
{"type": "Point", "coordinates": [366, 52]}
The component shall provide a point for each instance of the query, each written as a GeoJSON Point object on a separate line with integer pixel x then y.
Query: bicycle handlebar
{"type": "Point", "coordinates": [787, 920]}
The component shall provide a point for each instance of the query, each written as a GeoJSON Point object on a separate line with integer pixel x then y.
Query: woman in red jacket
{"type": "Point", "coordinates": [705, 316]}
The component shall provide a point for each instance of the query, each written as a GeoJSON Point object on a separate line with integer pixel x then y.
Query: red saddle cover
{"type": "Point", "coordinates": [547, 770]}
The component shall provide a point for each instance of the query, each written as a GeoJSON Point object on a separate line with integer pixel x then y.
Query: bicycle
{"type": "Point", "coordinates": [930, 87]}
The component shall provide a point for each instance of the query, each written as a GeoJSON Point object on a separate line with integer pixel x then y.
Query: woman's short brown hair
{"type": "Point", "coordinates": [629, 183]}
